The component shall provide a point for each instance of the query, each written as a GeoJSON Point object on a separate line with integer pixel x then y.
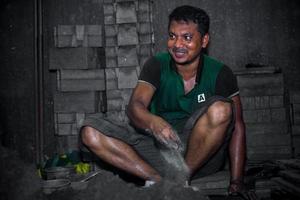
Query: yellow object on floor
{"type": "Point", "coordinates": [82, 168]}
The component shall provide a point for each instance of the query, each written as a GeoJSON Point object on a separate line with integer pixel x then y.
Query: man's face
{"type": "Point", "coordinates": [185, 42]}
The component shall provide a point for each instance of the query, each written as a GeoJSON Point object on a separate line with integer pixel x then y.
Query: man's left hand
{"type": "Point", "coordinates": [238, 189]}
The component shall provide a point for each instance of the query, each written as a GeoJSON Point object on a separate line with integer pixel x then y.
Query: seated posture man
{"type": "Point", "coordinates": [182, 97]}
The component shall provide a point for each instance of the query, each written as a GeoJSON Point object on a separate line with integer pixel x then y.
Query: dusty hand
{"type": "Point", "coordinates": [238, 189]}
{"type": "Point", "coordinates": [165, 134]}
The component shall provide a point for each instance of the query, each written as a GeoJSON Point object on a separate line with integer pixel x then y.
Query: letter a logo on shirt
{"type": "Point", "coordinates": [201, 98]}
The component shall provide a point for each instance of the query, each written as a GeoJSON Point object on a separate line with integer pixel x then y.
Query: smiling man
{"type": "Point", "coordinates": [183, 100]}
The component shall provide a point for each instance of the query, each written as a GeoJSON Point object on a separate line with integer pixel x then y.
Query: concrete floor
{"type": "Point", "coordinates": [20, 180]}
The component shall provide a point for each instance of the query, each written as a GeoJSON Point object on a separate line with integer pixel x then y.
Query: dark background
{"type": "Point", "coordinates": [262, 32]}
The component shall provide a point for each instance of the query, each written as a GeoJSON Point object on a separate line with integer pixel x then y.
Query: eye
{"type": "Point", "coordinates": [172, 36]}
{"type": "Point", "coordinates": [188, 38]}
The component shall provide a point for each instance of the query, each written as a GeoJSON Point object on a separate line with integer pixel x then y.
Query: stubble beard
{"type": "Point", "coordinates": [187, 62]}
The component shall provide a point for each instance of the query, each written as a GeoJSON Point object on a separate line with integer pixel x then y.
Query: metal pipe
{"type": "Point", "coordinates": [39, 80]}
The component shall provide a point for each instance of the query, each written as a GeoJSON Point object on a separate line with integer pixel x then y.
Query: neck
{"type": "Point", "coordinates": [188, 71]}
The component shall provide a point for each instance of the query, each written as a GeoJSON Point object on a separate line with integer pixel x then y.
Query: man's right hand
{"type": "Point", "coordinates": [139, 114]}
{"type": "Point", "coordinates": [164, 133]}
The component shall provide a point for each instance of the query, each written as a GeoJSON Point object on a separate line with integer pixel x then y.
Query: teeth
{"type": "Point", "coordinates": [179, 53]}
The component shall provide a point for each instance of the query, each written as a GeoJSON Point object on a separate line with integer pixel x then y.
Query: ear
{"type": "Point", "coordinates": [205, 40]}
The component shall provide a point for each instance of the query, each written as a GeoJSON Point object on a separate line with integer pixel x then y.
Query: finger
{"type": "Point", "coordinates": [167, 142]}
{"type": "Point", "coordinates": [172, 135]}
{"type": "Point", "coordinates": [168, 134]}
{"type": "Point", "coordinates": [252, 195]}
{"type": "Point", "coordinates": [172, 145]}
{"type": "Point", "coordinates": [175, 136]}
{"type": "Point", "coordinates": [179, 144]}
{"type": "Point", "coordinates": [169, 138]}
{"type": "Point", "coordinates": [160, 138]}
{"type": "Point", "coordinates": [173, 139]}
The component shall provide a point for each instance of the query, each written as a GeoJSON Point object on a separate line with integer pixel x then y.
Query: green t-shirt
{"type": "Point", "coordinates": [169, 100]}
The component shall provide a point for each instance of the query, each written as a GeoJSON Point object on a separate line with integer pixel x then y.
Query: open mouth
{"type": "Point", "coordinates": [179, 53]}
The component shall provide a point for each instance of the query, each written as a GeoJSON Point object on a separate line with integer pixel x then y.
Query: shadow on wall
{"type": "Point", "coordinates": [3, 133]}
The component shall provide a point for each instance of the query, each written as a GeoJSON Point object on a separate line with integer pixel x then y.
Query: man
{"type": "Point", "coordinates": [182, 97]}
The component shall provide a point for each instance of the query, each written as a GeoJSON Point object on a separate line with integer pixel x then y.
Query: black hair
{"type": "Point", "coordinates": [189, 13]}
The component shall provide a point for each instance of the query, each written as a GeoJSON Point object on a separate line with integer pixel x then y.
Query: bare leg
{"type": "Point", "coordinates": [118, 153]}
{"type": "Point", "coordinates": [207, 134]}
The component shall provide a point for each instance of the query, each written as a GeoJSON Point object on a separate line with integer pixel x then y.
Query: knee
{"type": "Point", "coordinates": [219, 112]}
{"type": "Point", "coordinates": [89, 136]}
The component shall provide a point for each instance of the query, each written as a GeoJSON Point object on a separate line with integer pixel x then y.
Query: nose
{"type": "Point", "coordinates": [178, 42]}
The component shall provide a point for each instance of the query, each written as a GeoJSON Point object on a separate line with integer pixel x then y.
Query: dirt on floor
{"type": "Point", "coordinates": [109, 186]}
{"type": "Point", "coordinates": [20, 181]}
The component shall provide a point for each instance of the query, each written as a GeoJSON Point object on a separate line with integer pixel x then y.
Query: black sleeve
{"type": "Point", "coordinates": [151, 72]}
{"type": "Point", "coordinates": [226, 84]}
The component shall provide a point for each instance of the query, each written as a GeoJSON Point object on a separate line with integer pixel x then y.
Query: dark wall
{"type": "Point", "coordinates": [19, 110]}
{"type": "Point", "coordinates": [17, 97]}
{"type": "Point", "coordinates": [261, 32]}
{"type": "Point", "coordinates": [61, 12]}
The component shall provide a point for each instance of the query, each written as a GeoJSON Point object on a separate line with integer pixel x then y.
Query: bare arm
{"type": "Point", "coordinates": [140, 116]}
{"type": "Point", "coordinates": [138, 106]}
{"type": "Point", "coordinates": [237, 148]}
